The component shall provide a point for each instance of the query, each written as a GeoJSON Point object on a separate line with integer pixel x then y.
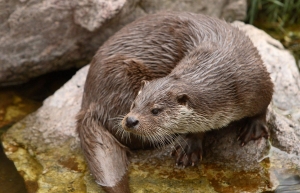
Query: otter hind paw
{"type": "Point", "coordinates": [253, 130]}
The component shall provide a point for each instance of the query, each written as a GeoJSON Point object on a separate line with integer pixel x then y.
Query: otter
{"type": "Point", "coordinates": [166, 75]}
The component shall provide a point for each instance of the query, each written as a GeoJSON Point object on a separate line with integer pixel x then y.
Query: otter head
{"type": "Point", "coordinates": [162, 108]}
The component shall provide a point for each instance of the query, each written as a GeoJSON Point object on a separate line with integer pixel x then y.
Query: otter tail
{"type": "Point", "coordinates": [106, 157]}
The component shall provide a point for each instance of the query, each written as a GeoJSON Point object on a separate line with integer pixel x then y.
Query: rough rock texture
{"type": "Point", "coordinates": [45, 148]}
{"type": "Point", "coordinates": [43, 36]}
{"type": "Point", "coordinates": [229, 10]}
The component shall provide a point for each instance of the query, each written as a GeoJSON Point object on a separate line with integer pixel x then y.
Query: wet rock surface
{"type": "Point", "coordinates": [46, 152]}
{"type": "Point", "coordinates": [37, 37]}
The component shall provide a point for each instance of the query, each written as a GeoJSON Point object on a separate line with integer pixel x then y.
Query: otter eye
{"type": "Point", "coordinates": [155, 111]}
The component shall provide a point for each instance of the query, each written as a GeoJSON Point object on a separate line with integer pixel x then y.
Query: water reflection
{"type": "Point", "coordinates": [288, 183]}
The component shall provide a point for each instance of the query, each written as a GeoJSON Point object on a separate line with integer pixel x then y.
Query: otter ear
{"type": "Point", "coordinates": [144, 83]}
{"type": "Point", "coordinates": [131, 61]}
{"type": "Point", "coordinates": [182, 99]}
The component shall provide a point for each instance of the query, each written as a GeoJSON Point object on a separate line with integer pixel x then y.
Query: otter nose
{"type": "Point", "coordinates": [131, 122]}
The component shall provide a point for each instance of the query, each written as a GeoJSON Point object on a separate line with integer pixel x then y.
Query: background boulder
{"type": "Point", "coordinates": [37, 37]}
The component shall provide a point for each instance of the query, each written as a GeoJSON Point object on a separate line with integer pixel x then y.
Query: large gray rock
{"type": "Point", "coordinates": [42, 36]}
{"type": "Point", "coordinates": [37, 37]}
{"type": "Point", "coordinates": [229, 10]}
{"type": "Point", "coordinates": [45, 147]}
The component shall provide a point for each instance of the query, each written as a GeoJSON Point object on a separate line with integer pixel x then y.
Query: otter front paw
{"type": "Point", "coordinates": [189, 150]}
{"type": "Point", "coordinates": [254, 129]}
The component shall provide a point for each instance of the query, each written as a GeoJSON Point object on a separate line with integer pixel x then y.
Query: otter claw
{"type": "Point", "coordinates": [189, 153]}
{"type": "Point", "coordinates": [254, 129]}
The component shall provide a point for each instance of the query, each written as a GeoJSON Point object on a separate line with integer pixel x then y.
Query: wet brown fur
{"type": "Point", "coordinates": [204, 59]}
